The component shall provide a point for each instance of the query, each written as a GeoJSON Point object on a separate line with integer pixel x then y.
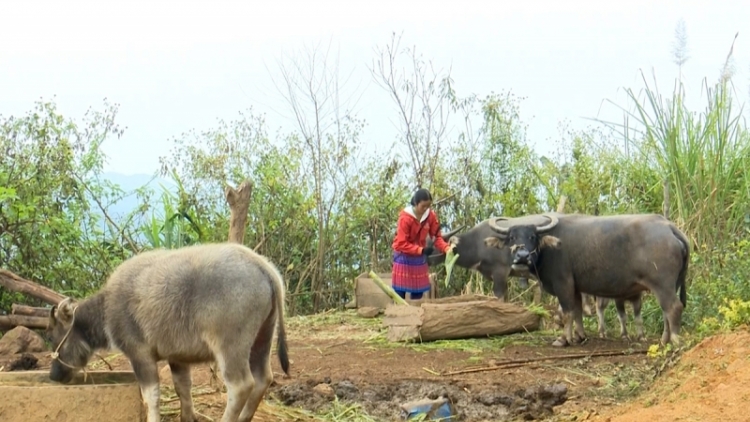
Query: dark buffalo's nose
{"type": "Point", "coordinates": [522, 256]}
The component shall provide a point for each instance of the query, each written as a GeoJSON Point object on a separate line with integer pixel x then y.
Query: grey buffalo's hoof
{"type": "Point", "coordinates": [560, 342]}
{"type": "Point", "coordinates": [641, 338]}
{"type": "Point", "coordinates": [188, 418]}
{"type": "Point", "coordinates": [578, 338]}
{"type": "Point", "coordinates": [602, 334]}
{"type": "Point", "coordinates": [624, 337]}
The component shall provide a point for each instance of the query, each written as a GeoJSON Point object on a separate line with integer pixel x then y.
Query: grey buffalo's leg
{"type": "Point", "coordinates": [500, 284]}
{"type": "Point", "coordinates": [182, 386]}
{"type": "Point", "coordinates": [636, 301]}
{"type": "Point", "coordinates": [260, 367]}
{"type": "Point", "coordinates": [601, 305]}
{"type": "Point", "coordinates": [622, 316]}
{"type": "Point", "coordinates": [235, 368]}
{"type": "Point", "coordinates": [147, 373]}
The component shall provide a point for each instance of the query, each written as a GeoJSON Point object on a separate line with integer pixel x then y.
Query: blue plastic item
{"type": "Point", "coordinates": [440, 409]}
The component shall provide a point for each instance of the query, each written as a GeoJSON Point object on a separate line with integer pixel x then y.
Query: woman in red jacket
{"type": "Point", "coordinates": [410, 272]}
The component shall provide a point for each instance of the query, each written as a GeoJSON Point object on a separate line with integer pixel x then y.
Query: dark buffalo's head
{"type": "Point", "coordinates": [525, 241]}
{"type": "Point", "coordinates": [67, 335]}
{"type": "Point", "coordinates": [438, 257]}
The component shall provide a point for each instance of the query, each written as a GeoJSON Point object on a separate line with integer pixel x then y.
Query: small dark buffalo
{"type": "Point", "coordinates": [601, 304]}
{"type": "Point", "coordinates": [615, 257]}
{"type": "Point", "coordinates": [492, 263]}
{"type": "Point", "coordinates": [212, 302]}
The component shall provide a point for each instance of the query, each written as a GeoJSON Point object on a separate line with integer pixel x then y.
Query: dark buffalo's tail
{"type": "Point", "coordinates": [685, 261]}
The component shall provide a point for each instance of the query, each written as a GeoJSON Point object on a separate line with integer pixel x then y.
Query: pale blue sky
{"type": "Point", "coordinates": [177, 65]}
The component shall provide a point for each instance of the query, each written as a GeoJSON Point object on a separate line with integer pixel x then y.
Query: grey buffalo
{"type": "Point", "coordinates": [212, 302]}
{"type": "Point", "coordinates": [615, 257]}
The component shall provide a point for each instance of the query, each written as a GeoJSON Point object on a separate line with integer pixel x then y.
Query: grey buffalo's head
{"type": "Point", "coordinates": [67, 335]}
{"type": "Point", "coordinates": [524, 240]}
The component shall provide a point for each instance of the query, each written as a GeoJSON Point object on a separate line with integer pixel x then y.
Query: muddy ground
{"type": "Point", "coordinates": [342, 365]}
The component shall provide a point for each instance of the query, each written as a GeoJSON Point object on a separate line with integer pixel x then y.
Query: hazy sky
{"type": "Point", "coordinates": [177, 65]}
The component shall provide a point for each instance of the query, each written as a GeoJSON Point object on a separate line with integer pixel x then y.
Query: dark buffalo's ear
{"type": "Point", "coordinates": [549, 242]}
{"type": "Point", "coordinates": [494, 242]}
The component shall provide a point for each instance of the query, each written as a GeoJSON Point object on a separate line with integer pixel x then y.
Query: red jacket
{"type": "Point", "coordinates": [411, 234]}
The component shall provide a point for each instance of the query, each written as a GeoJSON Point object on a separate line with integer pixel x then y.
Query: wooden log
{"type": "Point", "coordinates": [17, 309]}
{"type": "Point", "coordinates": [18, 284]}
{"type": "Point", "coordinates": [444, 321]}
{"type": "Point", "coordinates": [10, 321]}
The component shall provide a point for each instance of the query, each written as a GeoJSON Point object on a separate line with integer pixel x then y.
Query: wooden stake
{"type": "Point", "coordinates": [523, 362]}
{"type": "Point", "coordinates": [387, 289]}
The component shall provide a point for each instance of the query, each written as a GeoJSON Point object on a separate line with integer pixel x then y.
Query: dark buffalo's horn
{"type": "Point", "coordinates": [552, 223]}
{"type": "Point", "coordinates": [494, 226]}
{"type": "Point", "coordinates": [452, 233]}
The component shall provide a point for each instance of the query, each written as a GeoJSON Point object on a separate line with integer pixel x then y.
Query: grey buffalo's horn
{"type": "Point", "coordinates": [552, 223]}
{"type": "Point", "coordinates": [494, 226]}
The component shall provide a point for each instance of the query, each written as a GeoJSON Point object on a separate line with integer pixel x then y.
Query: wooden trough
{"type": "Point", "coordinates": [31, 396]}
{"type": "Point", "coordinates": [457, 317]}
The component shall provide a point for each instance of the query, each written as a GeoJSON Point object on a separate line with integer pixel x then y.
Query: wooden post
{"type": "Point", "coordinates": [239, 203]}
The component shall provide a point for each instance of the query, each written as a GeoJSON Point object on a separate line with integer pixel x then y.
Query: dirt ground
{"type": "Point", "coordinates": [341, 363]}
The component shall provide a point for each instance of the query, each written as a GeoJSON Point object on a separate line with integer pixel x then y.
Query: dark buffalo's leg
{"type": "Point", "coordinates": [580, 334]}
{"type": "Point", "coordinates": [566, 295]}
{"type": "Point", "coordinates": [500, 284]}
{"type": "Point", "coordinates": [636, 301]}
{"type": "Point", "coordinates": [622, 316]}
{"type": "Point", "coordinates": [601, 305]}
{"type": "Point", "coordinates": [183, 387]}
{"type": "Point", "coordinates": [672, 311]}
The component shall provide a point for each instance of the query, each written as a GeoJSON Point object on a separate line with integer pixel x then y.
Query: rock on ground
{"type": "Point", "coordinates": [21, 340]}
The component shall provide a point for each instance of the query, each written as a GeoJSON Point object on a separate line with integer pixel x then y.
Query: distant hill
{"type": "Point", "coordinates": [130, 182]}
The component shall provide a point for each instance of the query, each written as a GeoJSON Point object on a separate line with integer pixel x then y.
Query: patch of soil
{"type": "Point", "coordinates": [709, 383]}
{"type": "Point", "coordinates": [24, 362]}
{"type": "Point", "coordinates": [384, 400]}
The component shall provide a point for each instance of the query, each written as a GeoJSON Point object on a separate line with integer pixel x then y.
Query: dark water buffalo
{"type": "Point", "coordinates": [494, 264]}
{"type": "Point", "coordinates": [212, 302]}
{"type": "Point", "coordinates": [615, 257]}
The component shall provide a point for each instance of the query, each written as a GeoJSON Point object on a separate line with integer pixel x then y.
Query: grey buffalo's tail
{"type": "Point", "coordinates": [277, 286]}
{"type": "Point", "coordinates": [685, 261]}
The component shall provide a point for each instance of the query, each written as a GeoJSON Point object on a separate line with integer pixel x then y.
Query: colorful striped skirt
{"type": "Point", "coordinates": [410, 273]}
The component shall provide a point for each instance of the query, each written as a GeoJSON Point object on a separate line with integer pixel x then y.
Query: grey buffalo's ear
{"type": "Point", "coordinates": [550, 242]}
{"type": "Point", "coordinates": [494, 242]}
{"type": "Point", "coordinates": [52, 321]}
{"type": "Point", "coordinates": [65, 310]}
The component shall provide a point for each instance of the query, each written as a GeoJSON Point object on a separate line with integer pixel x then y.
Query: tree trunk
{"type": "Point", "coordinates": [15, 283]}
{"type": "Point", "coordinates": [239, 203]}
